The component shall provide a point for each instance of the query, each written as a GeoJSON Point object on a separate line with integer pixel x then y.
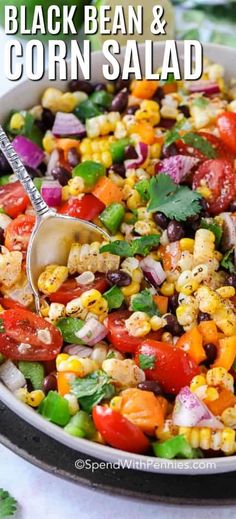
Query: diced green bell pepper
{"type": "Point", "coordinates": [177, 446]}
{"type": "Point", "coordinates": [69, 326]}
{"type": "Point", "coordinates": [143, 189]}
{"type": "Point", "coordinates": [86, 110]}
{"type": "Point", "coordinates": [38, 183]}
{"type": "Point", "coordinates": [112, 217]}
{"type": "Point", "coordinates": [114, 297]}
{"type": "Point", "coordinates": [4, 180]}
{"type": "Point", "coordinates": [90, 172]}
{"type": "Point", "coordinates": [117, 150]}
{"type": "Point", "coordinates": [55, 408]}
{"type": "Point", "coordinates": [81, 425]}
{"type": "Point", "coordinates": [101, 98]}
{"type": "Point", "coordinates": [33, 371]}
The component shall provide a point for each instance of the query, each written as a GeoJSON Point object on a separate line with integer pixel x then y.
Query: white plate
{"type": "Point", "coordinates": [25, 96]}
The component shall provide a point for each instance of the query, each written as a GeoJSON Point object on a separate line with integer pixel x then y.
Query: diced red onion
{"type": "Point", "coordinates": [190, 411]}
{"type": "Point", "coordinates": [177, 167]}
{"type": "Point", "coordinates": [30, 154]}
{"type": "Point", "coordinates": [142, 155]}
{"type": "Point", "coordinates": [229, 231]}
{"type": "Point", "coordinates": [77, 349]}
{"type": "Point", "coordinates": [53, 162]}
{"type": "Point", "coordinates": [205, 86]}
{"type": "Point", "coordinates": [153, 271]}
{"type": "Point", "coordinates": [52, 193]}
{"type": "Point", "coordinates": [11, 376]}
{"type": "Point", "coordinates": [67, 125]}
{"type": "Point", "coordinates": [92, 332]}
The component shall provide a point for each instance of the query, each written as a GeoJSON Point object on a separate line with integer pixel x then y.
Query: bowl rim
{"type": "Point", "coordinates": [105, 452]}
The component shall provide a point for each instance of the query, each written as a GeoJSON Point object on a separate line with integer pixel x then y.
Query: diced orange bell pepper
{"type": "Point", "coordinates": [145, 131]}
{"type": "Point", "coordinates": [208, 330]}
{"type": "Point", "coordinates": [164, 404]}
{"type": "Point", "coordinates": [107, 191]}
{"type": "Point", "coordinates": [144, 89]}
{"type": "Point", "coordinates": [191, 342]}
{"type": "Point", "coordinates": [226, 353]}
{"type": "Point", "coordinates": [64, 379]}
{"type": "Point", "coordinates": [67, 144]}
{"type": "Point", "coordinates": [171, 256]}
{"type": "Point", "coordinates": [226, 399]}
{"type": "Point", "coordinates": [170, 88]}
{"type": "Point", "coordinates": [142, 408]}
{"type": "Point", "coordinates": [162, 303]}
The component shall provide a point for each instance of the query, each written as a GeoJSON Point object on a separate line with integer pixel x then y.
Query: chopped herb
{"type": "Point", "coordinates": [93, 388]}
{"type": "Point", "coordinates": [143, 189]}
{"type": "Point", "coordinates": [144, 302]}
{"type": "Point", "coordinates": [228, 261]}
{"type": "Point", "coordinates": [213, 226]}
{"type": "Point", "coordinates": [140, 246]}
{"type": "Point", "coordinates": [197, 141]}
{"type": "Point", "coordinates": [178, 202]}
{"type": "Point", "coordinates": [146, 361]}
{"type": "Point", "coordinates": [69, 326]}
{"type": "Point", "coordinates": [8, 504]}
{"type": "Point", "coordinates": [200, 102]}
{"type": "Point", "coordinates": [173, 134]}
{"type": "Point", "coordinates": [114, 297]}
{"type": "Point", "coordinates": [111, 355]}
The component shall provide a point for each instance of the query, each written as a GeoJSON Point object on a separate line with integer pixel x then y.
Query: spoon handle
{"type": "Point", "coordinates": [19, 170]}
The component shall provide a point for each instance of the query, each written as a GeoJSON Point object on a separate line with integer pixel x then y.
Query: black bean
{"type": "Point", "coordinates": [211, 352]}
{"type": "Point", "coordinates": [159, 94]}
{"type": "Point", "coordinates": [122, 83]}
{"type": "Point", "coordinates": [2, 236]}
{"type": "Point", "coordinates": [5, 168]}
{"type": "Point", "coordinates": [167, 123]}
{"type": "Point", "coordinates": [151, 385]}
{"type": "Point", "coordinates": [120, 101]}
{"type": "Point", "coordinates": [119, 169]}
{"type": "Point", "coordinates": [130, 152]}
{"type": "Point", "coordinates": [33, 173]}
{"type": "Point", "coordinates": [77, 85]}
{"type": "Point", "coordinates": [173, 303]}
{"type": "Point", "coordinates": [119, 278]}
{"type": "Point", "coordinates": [203, 316]}
{"type": "Point", "coordinates": [232, 206]}
{"type": "Point", "coordinates": [169, 151]}
{"type": "Point", "coordinates": [231, 281]}
{"type": "Point", "coordinates": [184, 109]}
{"type": "Point", "coordinates": [50, 383]}
{"type": "Point", "coordinates": [61, 174]}
{"type": "Point", "coordinates": [172, 325]}
{"type": "Point", "coordinates": [98, 87]}
{"type": "Point", "coordinates": [132, 109]}
{"type": "Point", "coordinates": [47, 120]}
{"type": "Point", "coordinates": [73, 157]}
{"type": "Point", "coordinates": [175, 231]}
{"type": "Point", "coordinates": [161, 220]}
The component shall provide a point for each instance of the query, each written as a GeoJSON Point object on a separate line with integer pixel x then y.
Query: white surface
{"type": "Point", "coordinates": [41, 494]}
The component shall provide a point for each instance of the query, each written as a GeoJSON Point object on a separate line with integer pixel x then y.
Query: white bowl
{"type": "Point", "coordinates": [22, 97]}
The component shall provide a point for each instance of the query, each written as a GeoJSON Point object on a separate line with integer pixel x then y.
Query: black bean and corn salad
{"type": "Point", "coordinates": [135, 346]}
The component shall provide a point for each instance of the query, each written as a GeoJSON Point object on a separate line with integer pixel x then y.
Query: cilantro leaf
{"type": "Point", "coordinates": [93, 388]}
{"type": "Point", "coordinates": [140, 246]}
{"type": "Point", "coordinates": [110, 355]}
{"type": "Point", "coordinates": [228, 261]}
{"type": "Point", "coordinates": [197, 141]}
{"type": "Point", "coordinates": [178, 202]}
{"type": "Point", "coordinates": [146, 361]}
{"type": "Point", "coordinates": [7, 504]}
{"type": "Point", "coordinates": [143, 189]}
{"type": "Point", "coordinates": [68, 327]}
{"type": "Point", "coordinates": [114, 297]}
{"type": "Point", "coordinates": [173, 134]}
{"type": "Point", "coordinates": [200, 102]}
{"type": "Point", "coordinates": [144, 302]}
{"type": "Point", "coordinates": [213, 226]}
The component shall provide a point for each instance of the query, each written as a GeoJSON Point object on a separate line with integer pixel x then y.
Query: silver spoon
{"type": "Point", "coordinates": [53, 234]}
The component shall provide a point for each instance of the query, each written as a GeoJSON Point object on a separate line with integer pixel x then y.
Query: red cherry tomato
{"type": "Point", "coordinates": [172, 367]}
{"type": "Point", "coordinates": [219, 176]}
{"type": "Point", "coordinates": [86, 208]}
{"type": "Point", "coordinates": [13, 199]}
{"type": "Point", "coordinates": [18, 232]}
{"type": "Point", "coordinates": [71, 289]}
{"type": "Point", "coordinates": [221, 149]}
{"type": "Point", "coordinates": [226, 123]}
{"type": "Point", "coordinates": [26, 336]}
{"type": "Point", "coordinates": [118, 431]}
{"type": "Point", "coordinates": [120, 337]}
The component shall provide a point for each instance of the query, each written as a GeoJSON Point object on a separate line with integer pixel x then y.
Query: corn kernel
{"type": "Point", "coordinates": [226, 292]}
{"type": "Point", "coordinates": [134, 200]}
{"type": "Point", "coordinates": [115, 403]}
{"type": "Point", "coordinates": [197, 381]}
{"type": "Point", "coordinates": [217, 255]}
{"type": "Point", "coordinates": [90, 298]}
{"type": "Point", "coordinates": [106, 159]}
{"type": "Point", "coordinates": [49, 142]}
{"type": "Point", "coordinates": [228, 417]}
{"type": "Point", "coordinates": [68, 102]}
{"type": "Point", "coordinates": [186, 244]}
{"type": "Point", "coordinates": [211, 394]}
{"type": "Point", "coordinates": [34, 398]}
{"type": "Point", "coordinates": [50, 281]}
{"type": "Point", "coordinates": [17, 121]}
{"type": "Point", "coordinates": [204, 191]}
{"type": "Point", "coordinates": [131, 289]}
{"type": "Point", "coordinates": [22, 394]}
{"type": "Point", "coordinates": [167, 289]}
{"type": "Point", "coordinates": [167, 337]}
{"type": "Point", "coordinates": [157, 323]}
{"type": "Point", "coordinates": [190, 287]}
{"type": "Point", "coordinates": [220, 377]}
{"type": "Point", "coordinates": [65, 193]}
{"type": "Point", "coordinates": [155, 151]}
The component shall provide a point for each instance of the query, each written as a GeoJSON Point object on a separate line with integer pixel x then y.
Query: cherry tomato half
{"type": "Point", "coordinates": [8, 304]}
{"type": "Point", "coordinates": [226, 123]}
{"type": "Point", "coordinates": [120, 337]}
{"type": "Point", "coordinates": [71, 289]}
{"type": "Point", "coordinates": [172, 367]}
{"type": "Point", "coordinates": [86, 208]}
{"type": "Point", "coordinates": [118, 431]}
{"type": "Point", "coordinates": [26, 336]}
{"type": "Point", "coordinates": [18, 232]}
{"type": "Point", "coordinates": [219, 176]}
{"type": "Point", "coordinates": [13, 199]}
